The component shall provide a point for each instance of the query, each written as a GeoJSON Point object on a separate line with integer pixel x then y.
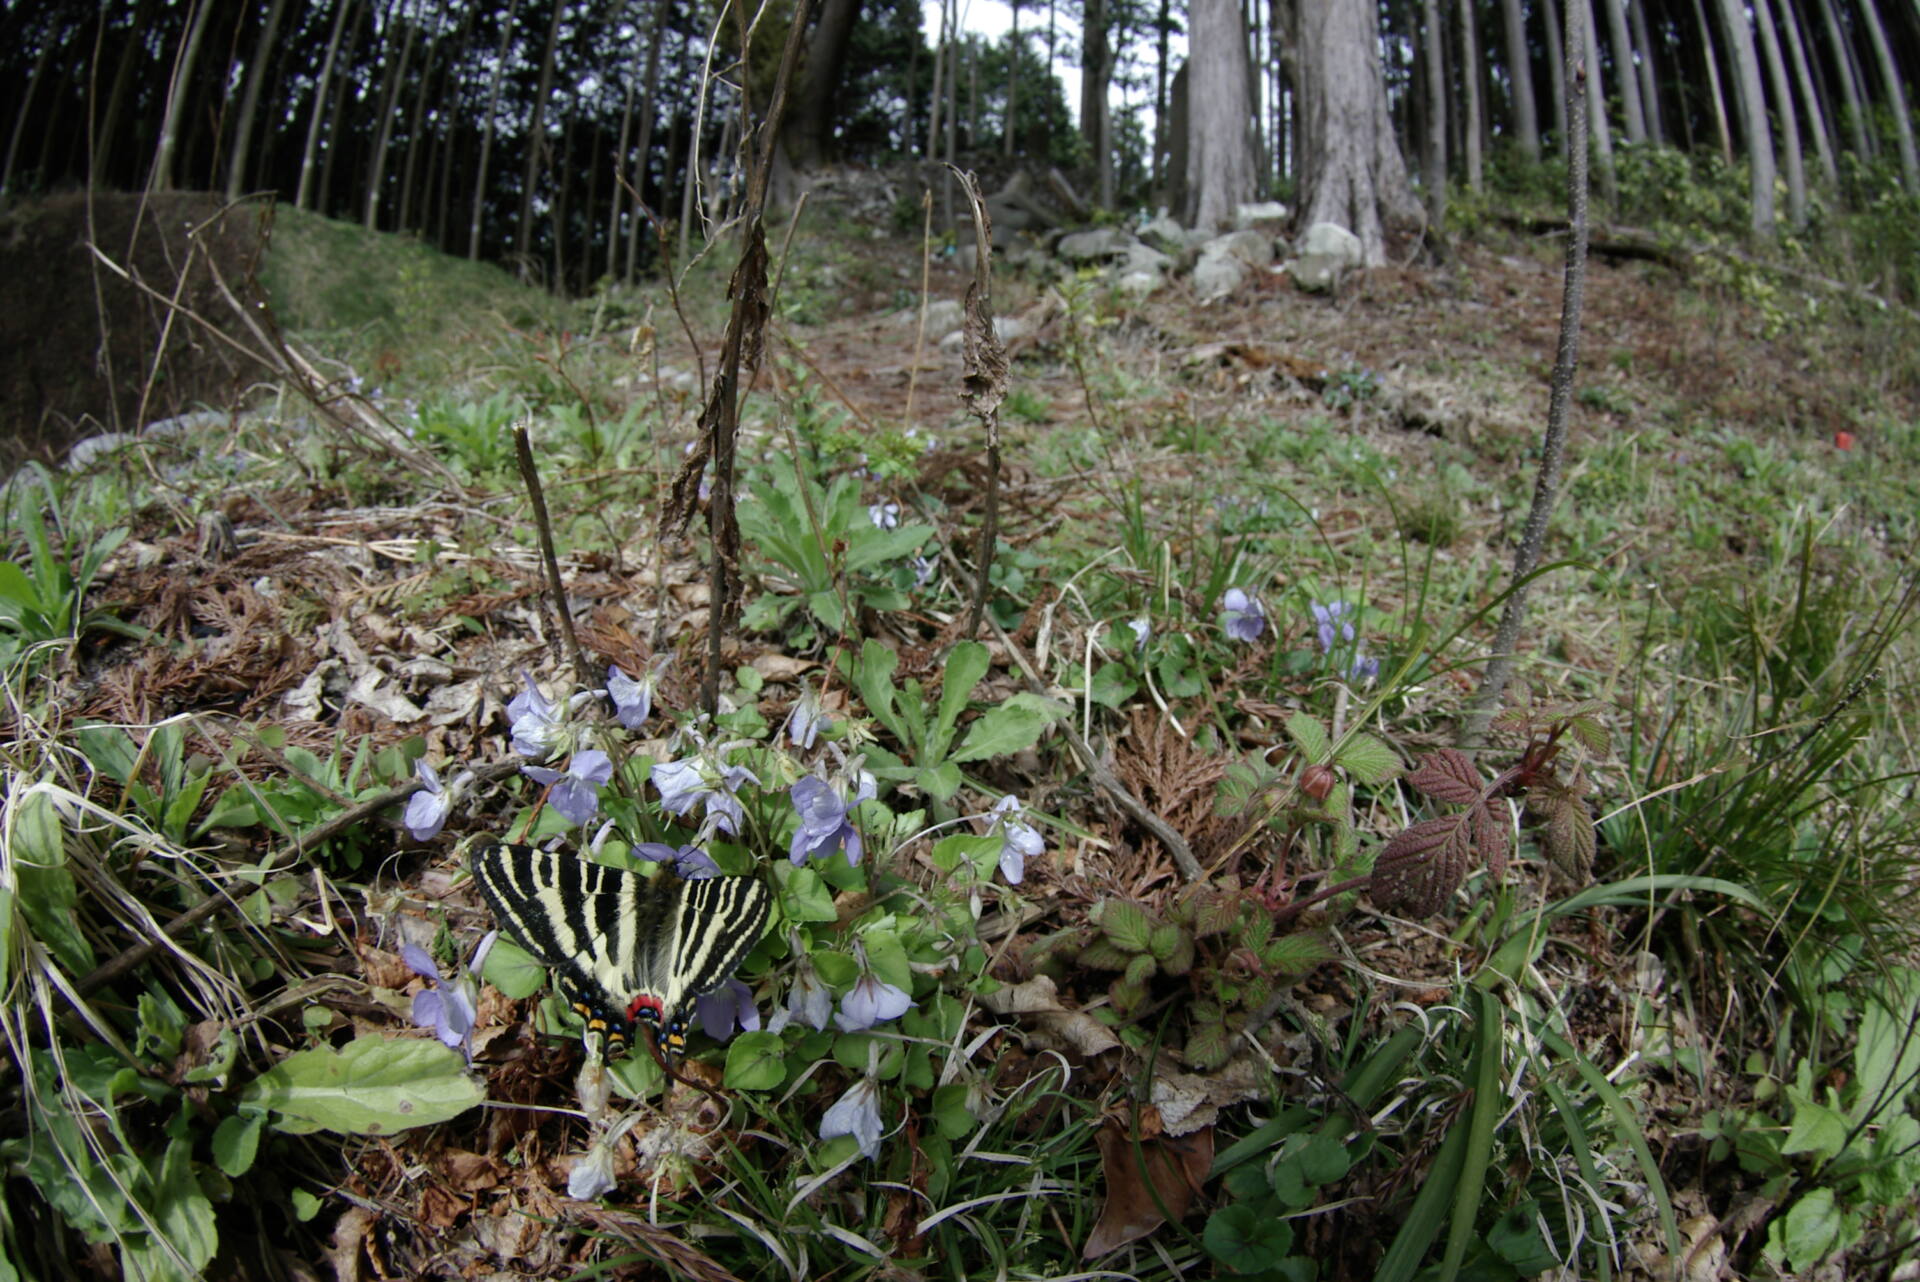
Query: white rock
{"type": "Point", "coordinates": [1140, 281]}
{"type": "Point", "coordinates": [1217, 275]}
{"type": "Point", "coordinates": [1253, 248]}
{"type": "Point", "coordinates": [1164, 231]}
{"type": "Point", "coordinates": [1263, 214]}
{"type": "Point", "coordinates": [1094, 246]}
{"type": "Point", "coordinates": [943, 314]}
{"type": "Point", "coordinates": [1325, 251]}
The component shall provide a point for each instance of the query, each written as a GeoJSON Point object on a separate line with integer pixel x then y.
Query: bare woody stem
{"type": "Point", "coordinates": [530, 475]}
{"type": "Point", "coordinates": [984, 385]}
{"type": "Point", "coordinates": [1553, 447]}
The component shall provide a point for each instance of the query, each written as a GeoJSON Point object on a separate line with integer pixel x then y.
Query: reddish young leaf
{"type": "Point", "coordinates": [1446, 775]}
{"type": "Point", "coordinates": [1421, 868]}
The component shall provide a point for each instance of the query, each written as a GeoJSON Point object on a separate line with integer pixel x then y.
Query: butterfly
{"type": "Point", "coordinates": [628, 949]}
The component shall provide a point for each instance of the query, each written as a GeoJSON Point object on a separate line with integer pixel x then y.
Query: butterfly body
{"type": "Point", "coordinates": [627, 949]}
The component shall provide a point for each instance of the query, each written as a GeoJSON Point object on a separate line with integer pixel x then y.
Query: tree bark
{"type": "Point", "coordinates": [1789, 119]}
{"type": "Point", "coordinates": [1219, 151]}
{"type": "Point", "coordinates": [1714, 93]}
{"type": "Point", "coordinates": [1095, 71]}
{"type": "Point", "coordinates": [807, 136]}
{"type": "Point", "coordinates": [1470, 81]}
{"type": "Point", "coordinates": [1556, 73]}
{"type": "Point", "coordinates": [1596, 96]}
{"type": "Point", "coordinates": [1850, 86]}
{"type": "Point", "coordinates": [1896, 95]}
{"type": "Point", "coordinates": [486, 129]}
{"type": "Point", "coordinates": [1526, 115]}
{"type": "Point", "coordinates": [337, 134]}
{"type": "Point", "coordinates": [1433, 162]}
{"type": "Point", "coordinates": [179, 85]}
{"type": "Point", "coordinates": [1008, 129]}
{"type": "Point", "coordinates": [1649, 77]}
{"type": "Point", "coordinates": [389, 103]}
{"type": "Point", "coordinates": [263, 52]}
{"type": "Point", "coordinates": [1753, 112]}
{"type": "Point", "coordinates": [49, 42]}
{"type": "Point", "coordinates": [303, 194]}
{"type": "Point", "coordinates": [1819, 124]}
{"type": "Point", "coordinates": [621, 159]}
{"type": "Point", "coordinates": [649, 119]}
{"type": "Point", "coordinates": [1165, 25]}
{"type": "Point", "coordinates": [536, 134]}
{"type": "Point", "coordinates": [1623, 70]}
{"type": "Point", "coordinates": [1356, 175]}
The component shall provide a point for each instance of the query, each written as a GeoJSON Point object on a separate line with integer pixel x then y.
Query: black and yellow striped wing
{"type": "Point", "coordinates": [625, 947]}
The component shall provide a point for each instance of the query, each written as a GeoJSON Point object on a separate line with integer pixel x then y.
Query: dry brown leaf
{"type": "Point", "coordinates": [1051, 1023]}
{"type": "Point", "coordinates": [349, 1238]}
{"type": "Point", "coordinates": [1175, 1164]}
{"type": "Point", "coordinates": [781, 667]}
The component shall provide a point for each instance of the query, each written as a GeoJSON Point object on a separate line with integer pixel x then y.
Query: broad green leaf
{"type": "Point", "coordinates": [1810, 1230]}
{"type": "Point", "coordinates": [305, 1205]}
{"type": "Point", "coordinates": [372, 1086]}
{"type": "Point", "coordinates": [982, 852]}
{"type": "Point", "coordinates": [1324, 1158]}
{"type": "Point", "coordinates": [756, 1062]}
{"type": "Point", "coordinates": [236, 1141]}
{"type": "Point", "coordinates": [966, 664]}
{"type": "Point", "coordinates": [887, 958]}
{"type": "Point", "coordinates": [1247, 1239]}
{"type": "Point", "coordinates": [874, 677]}
{"type": "Point", "coordinates": [513, 970]}
{"type": "Point", "coordinates": [1367, 759]}
{"type": "Point", "coordinates": [939, 782]}
{"type": "Point", "coordinates": [836, 970]}
{"type": "Point", "coordinates": [826, 608]}
{"type": "Point", "coordinates": [1887, 1059]}
{"type": "Point", "coordinates": [1516, 1238]}
{"type": "Point", "coordinates": [950, 1112]}
{"type": "Point", "coordinates": [233, 808]}
{"type": "Point", "coordinates": [1014, 725]}
{"type": "Point", "coordinates": [1310, 736]}
{"type": "Point", "coordinates": [183, 1217]}
{"type": "Point", "coordinates": [47, 895]}
{"type": "Point", "coordinates": [1816, 1128]}
{"type": "Point", "coordinates": [1113, 686]}
{"type": "Point", "coordinates": [803, 895]}
{"type": "Point", "coordinates": [1127, 925]}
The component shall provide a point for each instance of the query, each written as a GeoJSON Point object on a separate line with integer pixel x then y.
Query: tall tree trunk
{"type": "Point", "coordinates": [807, 135]}
{"type": "Point", "coordinates": [1623, 70]}
{"type": "Point", "coordinates": [1753, 111]}
{"type": "Point", "coordinates": [1470, 82]}
{"type": "Point", "coordinates": [417, 122]}
{"type": "Point", "coordinates": [1526, 115]}
{"type": "Point", "coordinates": [1850, 87]}
{"type": "Point", "coordinates": [649, 116]}
{"type": "Point", "coordinates": [1597, 106]}
{"type": "Point", "coordinates": [973, 94]}
{"type": "Point", "coordinates": [1433, 161]}
{"type": "Point", "coordinates": [179, 85]}
{"type": "Point", "coordinates": [536, 134]}
{"type": "Point", "coordinates": [621, 160]}
{"type": "Point", "coordinates": [337, 133]}
{"type": "Point", "coordinates": [1896, 95]}
{"type": "Point", "coordinates": [1715, 95]}
{"type": "Point", "coordinates": [1357, 177]}
{"type": "Point", "coordinates": [1096, 69]}
{"type": "Point", "coordinates": [1013, 84]}
{"type": "Point", "coordinates": [1649, 76]}
{"type": "Point", "coordinates": [1219, 151]}
{"type": "Point", "coordinates": [1164, 25]}
{"type": "Point", "coordinates": [935, 105]}
{"type": "Point", "coordinates": [486, 128]}
{"type": "Point", "coordinates": [303, 195]}
{"type": "Point", "coordinates": [47, 46]}
{"type": "Point", "coordinates": [1789, 119]}
{"type": "Point", "coordinates": [389, 103]}
{"type": "Point", "coordinates": [1556, 73]}
{"type": "Point", "coordinates": [1819, 124]}
{"type": "Point", "coordinates": [263, 52]}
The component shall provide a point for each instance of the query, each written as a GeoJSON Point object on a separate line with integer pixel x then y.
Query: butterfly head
{"type": "Point", "coordinates": [669, 1028]}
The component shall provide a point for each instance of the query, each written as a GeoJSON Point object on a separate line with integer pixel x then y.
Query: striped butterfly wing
{"type": "Point", "coordinates": [624, 946]}
{"type": "Point", "coordinates": [717, 921]}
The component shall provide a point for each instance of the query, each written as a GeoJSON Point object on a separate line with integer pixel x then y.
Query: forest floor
{"type": "Point", "coordinates": [1733, 550]}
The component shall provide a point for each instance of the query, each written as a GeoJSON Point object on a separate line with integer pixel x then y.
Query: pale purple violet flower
{"type": "Point", "coordinates": [685, 784]}
{"type": "Point", "coordinates": [1244, 617]}
{"type": "Point", "coordinates": [690, 863]}
{"type": "Point", "coordinates": [633, 696]}
{"type": "Point", "coordinates": [824, 825]}
{"type": "Point", "coordinates": [806, 722]}
{"type": "Point", "coordinates": [1332, 623]}
{"type": "Point", "coordinates": [885, 516]}
{"type": "Point", "coordinates": [576, 790]}
{"type": "Point", "coordinates": [857, 1113]}
{"type": "Point", "coordinates": [870, 1001]}
{"type": "Point", "coordinates": [1365, 668]}
{"type": "Point", "coordinates": [727, 1007]}
{"type": "Point", "coordinates": [809, 1001]}
{"type": "Point", "coordinates": [446, 1007]}
{"type": "Point", "coordinates": [1141, 631]}
{"type": "Point", "coordinates": [535, 720]}
{"type": "Point", "coordinates": [923, 570]}
{"type": "Point", "coordinates": [1019, 841]}
{"type": "Point", "coordinates": [427, 809]}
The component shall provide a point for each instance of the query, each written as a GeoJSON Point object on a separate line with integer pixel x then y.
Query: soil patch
{"type": "Point", "coordinates": [84, 349]}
